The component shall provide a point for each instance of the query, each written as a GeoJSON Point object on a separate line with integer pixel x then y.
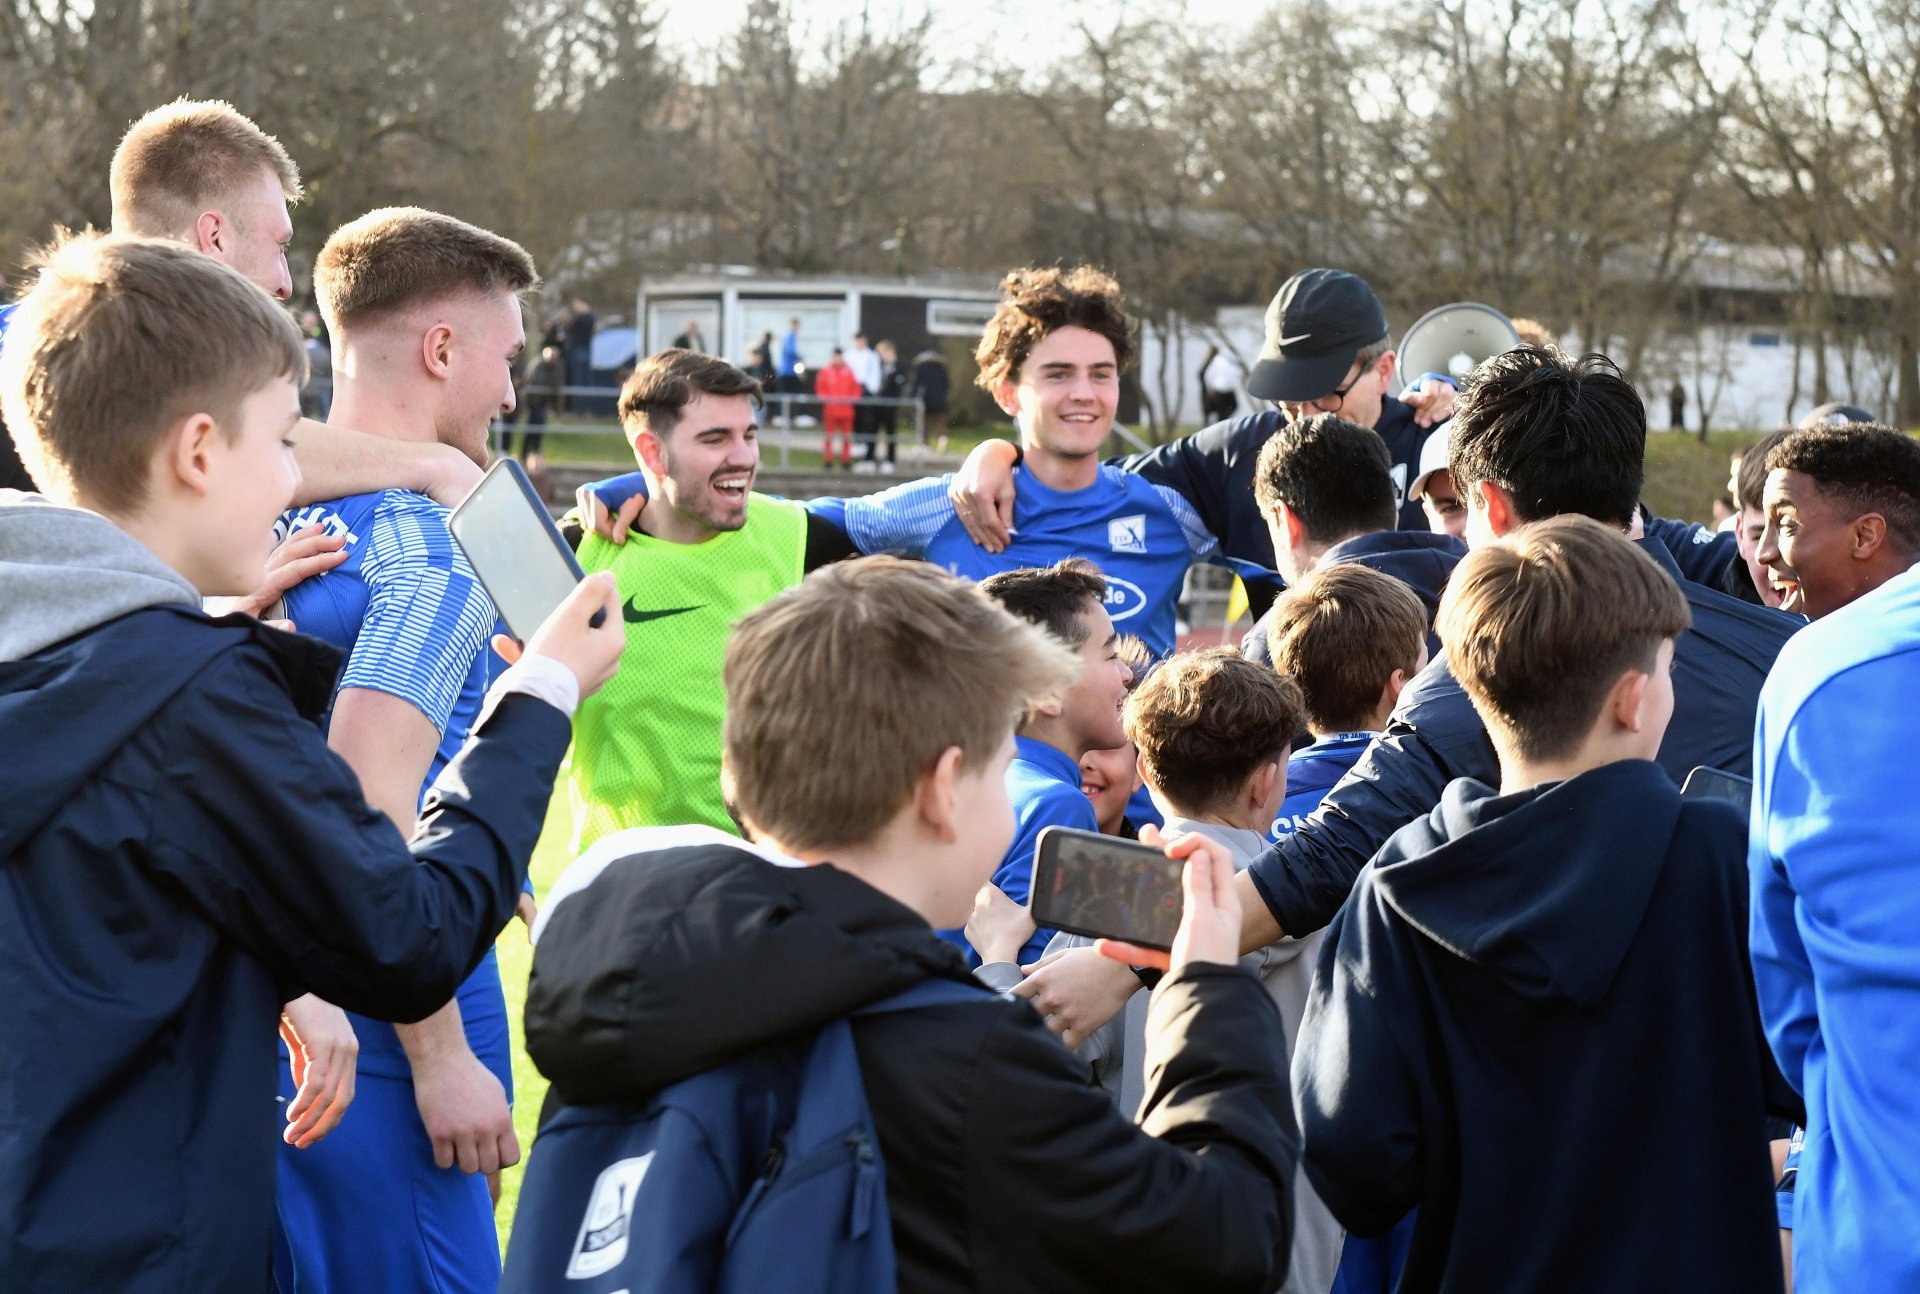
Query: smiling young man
{"type": "Point", "coordinates": [1842, 508]}
{"type": "Point", "coordinates": [1052, 357]}
{"type": "Point", "coordinates": [706, 551]}
{"type": "Point", "coordinates": [425, 315]}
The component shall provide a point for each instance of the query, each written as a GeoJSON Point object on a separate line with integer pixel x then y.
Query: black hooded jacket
{"type": "Point", "coordinates": [1535, 1020]}
{"type": "Point", "coordinates": [1006, 1170]}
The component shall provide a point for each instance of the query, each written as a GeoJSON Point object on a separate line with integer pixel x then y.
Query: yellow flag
{"type": "Point", "coordinates": [1236, 601]}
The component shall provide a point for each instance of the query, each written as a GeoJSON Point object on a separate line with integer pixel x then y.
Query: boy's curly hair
{"type": "Point", "coordinates": [1039, 301]}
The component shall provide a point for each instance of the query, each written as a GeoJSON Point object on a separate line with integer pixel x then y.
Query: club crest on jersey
{"type": "Point", "coordinates": [1127, 534]}
{"type": "Point", "coordinates": [291, 523]}
{"type": "Point", "coordinates": [1124, 599]}
{"type": "Point", "coordinates": [602, 1244]}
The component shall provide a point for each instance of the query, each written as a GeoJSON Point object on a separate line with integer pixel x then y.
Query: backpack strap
{"type": "Point", "coordinates": [934, 990]}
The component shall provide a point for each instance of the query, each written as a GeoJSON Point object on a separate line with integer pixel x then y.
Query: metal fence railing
{"type": "Point", "coordinates": [789, 421]}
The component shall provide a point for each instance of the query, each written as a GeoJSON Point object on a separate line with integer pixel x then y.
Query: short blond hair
{"type": "Point", "coordinates": [401, 256]}
{"type": "Point", "coordinates": [846, 689]}
{"type": "Point", "coordinates": [1539, 627]}
{"type": "Point", "coordinates": [117, 340]}
{"type": "Point", "coordinates": [186, 156]}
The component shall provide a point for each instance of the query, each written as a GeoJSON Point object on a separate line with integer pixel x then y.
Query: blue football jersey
{"type": "Point", "coordinates": [414, 622]}
{"type": "Point", "coordinates": [1142, 536]}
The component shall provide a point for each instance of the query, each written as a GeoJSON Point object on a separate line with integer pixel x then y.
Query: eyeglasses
{"type": "Point", "coordinates": [1331, 402]}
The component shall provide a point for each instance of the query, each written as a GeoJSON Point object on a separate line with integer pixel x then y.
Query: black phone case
{"type": "Point", "coordinates": [1046, 857]}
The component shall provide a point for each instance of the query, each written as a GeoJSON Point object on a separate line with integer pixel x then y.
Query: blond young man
{"type": "Point", "coordinates": [869, 730]}
{"type": "Point", "coordinates": [425, 313]}
{"type": "Point", "coordinates": [1534, 1017]}
{"type": "Point", "coordinates": [200, 173]}
{"type": "Point", "coordinates": [181, 849]}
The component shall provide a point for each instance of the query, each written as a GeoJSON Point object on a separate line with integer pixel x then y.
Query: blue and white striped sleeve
{"type": "Point", "coordinates": [902, 520]}
{"type": "Point", "coordinates": [1200, 541]}
{"type": "Point", "coordinates": [428, 618]}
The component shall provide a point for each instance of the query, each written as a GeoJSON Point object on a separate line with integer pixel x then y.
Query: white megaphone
{"type": "Point", "coordinates": [1454, 340]}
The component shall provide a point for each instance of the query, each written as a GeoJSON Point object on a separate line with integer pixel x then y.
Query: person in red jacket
{"type": "Point", "coordinates": [837, 388]}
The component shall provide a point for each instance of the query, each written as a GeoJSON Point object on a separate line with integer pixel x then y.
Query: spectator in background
{"type": "Point", "coordinates": [542, 392]}
{"type": "Point", "coordinates": [933, 384]}
{"type": "Point", "coordinates": [1220, 379]}
{"type": "Point", "coordinates": [581, 325]}
{"type": "Point", "coordinates": [865, 363]}
{"type": "Point", "coordinates": [837, 388]}
{"type": "Point", "coordinates": [787, 375]}
{"type": "Point", "coordinates": [886, 417]}
{"type": "Point", "coordinates": [316, 397]}
{"type": "Point", "coordinates": [1676, 406]}
{"type": "Point", "coordinates": [762, 366]}
{"type": "Point", "coordinates": [691, 339]}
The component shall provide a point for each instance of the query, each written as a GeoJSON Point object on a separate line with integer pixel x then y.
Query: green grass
{"type": "Point", "coordinates": [1684, 476]}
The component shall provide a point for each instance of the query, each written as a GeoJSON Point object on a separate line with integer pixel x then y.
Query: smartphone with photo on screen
{"type": "Point", "coordinates": [1106, 888]}
{"type": "Point", "coordinates": [513, 546]}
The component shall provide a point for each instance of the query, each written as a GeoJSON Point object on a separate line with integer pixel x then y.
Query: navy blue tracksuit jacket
{"type": "Point", "coordinates": [1435, 737]}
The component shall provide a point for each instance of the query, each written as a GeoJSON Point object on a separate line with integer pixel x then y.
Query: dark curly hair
{"type": "Point", "coordinates": [1040, 301]}
{"type": "Point", "coordinates": [1562, 436]}
{"type": "Point", "coordinates": [1869, 466]}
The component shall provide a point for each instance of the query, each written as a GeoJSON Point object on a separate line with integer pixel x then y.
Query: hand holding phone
{"type": "Point", "coordinates": [585, 633]}
{"type": "Point", "coordinates": [1209, 928]}
{"type": "Point", "coordinates": [516, 550]}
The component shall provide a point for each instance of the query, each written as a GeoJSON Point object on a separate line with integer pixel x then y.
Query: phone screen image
{"type": "Point", "coordinates": [515, 548]}
{"type": "Point", "coordinates": [1097, 885]}
{"type": "Point", "coordinates": [1705, 783]}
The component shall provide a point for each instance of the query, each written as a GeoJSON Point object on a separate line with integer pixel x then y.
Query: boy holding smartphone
{"type": "Point", "coordinates": [868, 734]}
{"type": "Point", "coordinates": [182, 851]}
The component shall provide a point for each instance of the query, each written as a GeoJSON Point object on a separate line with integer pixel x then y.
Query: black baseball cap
{"type": "Point", "coordinates": [1315, 326]}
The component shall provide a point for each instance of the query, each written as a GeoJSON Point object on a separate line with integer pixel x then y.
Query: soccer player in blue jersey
{"type": "Point", "coordinates": [1043, 781]}
{"type": "Point", "coordinates": [425, 315]}
{"type": "Point", "coordinates": [1052, 357]}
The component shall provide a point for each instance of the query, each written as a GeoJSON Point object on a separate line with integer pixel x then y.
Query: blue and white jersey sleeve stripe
{"type": "Point", "coordinates": [427, 619]}
{"type": "Point", "coordinates": [1200, 541]}
{"type": "Point", "coordinates": [902, 520]}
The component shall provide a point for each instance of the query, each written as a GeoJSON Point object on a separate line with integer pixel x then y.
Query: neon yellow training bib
{"type": "Point", "coordinates": [646, 747]}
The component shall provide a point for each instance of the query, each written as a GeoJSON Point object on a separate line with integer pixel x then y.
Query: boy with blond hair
{"type": "Point", "coordinates": [1534, 1017]}
{"type": "Point", "coordinates": [869, 727]}
{"type": "Point", "coordinates": [182, 852]}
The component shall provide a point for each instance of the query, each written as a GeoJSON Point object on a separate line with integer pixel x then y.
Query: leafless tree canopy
{"type": "Point", "coordinates": [1579, 161]}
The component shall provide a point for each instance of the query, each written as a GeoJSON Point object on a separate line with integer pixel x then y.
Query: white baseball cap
{"type": "Point", "coordinates": [1433, 458]}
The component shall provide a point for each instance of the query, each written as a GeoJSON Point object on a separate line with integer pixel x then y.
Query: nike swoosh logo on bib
{"type": "Point", "coordinates": [635, 616]}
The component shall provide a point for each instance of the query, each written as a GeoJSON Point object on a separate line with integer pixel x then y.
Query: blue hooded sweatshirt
{"type": "Point", "coordinates": [1836, 932]}
{"type": "Point", "coordinates": [1534, 1018]}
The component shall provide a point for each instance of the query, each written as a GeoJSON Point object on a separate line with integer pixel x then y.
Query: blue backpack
{"type": "Point", "coordinates": [760, 1175]}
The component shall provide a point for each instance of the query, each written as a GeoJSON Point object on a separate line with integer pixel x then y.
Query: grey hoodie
{"type": "Point", "coordinates": [64, 571]}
